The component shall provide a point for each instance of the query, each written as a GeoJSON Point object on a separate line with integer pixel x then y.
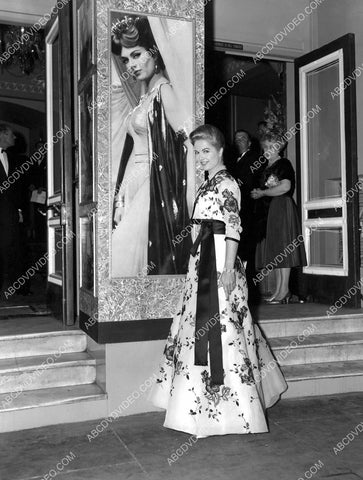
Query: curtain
{"type": "Point", "coordinates": [174, 39]}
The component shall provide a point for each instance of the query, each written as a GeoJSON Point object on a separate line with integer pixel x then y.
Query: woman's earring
{"type": "Point", "coordinates": [156, 68]}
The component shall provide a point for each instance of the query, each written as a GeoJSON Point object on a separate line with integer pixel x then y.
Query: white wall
{"type": "Point", "coordinates": [334, 19]}
{"type": "Point", "coordinates": [255, 22]}
{"type": "Point", "coordinates": [128, 367]}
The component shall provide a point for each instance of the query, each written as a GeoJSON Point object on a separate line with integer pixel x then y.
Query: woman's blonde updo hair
{"type": "Point", "coordinates": [210, 133]}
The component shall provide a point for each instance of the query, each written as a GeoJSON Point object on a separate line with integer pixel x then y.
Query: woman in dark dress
{"type": "Point", "coordinates": [283, 247]}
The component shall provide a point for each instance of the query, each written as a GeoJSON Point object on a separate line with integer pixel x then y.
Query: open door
{"type": "Point", "coordinates": [61, 236]}
{"type": "Point", "coordinates": [86, 128]}
{"type": "Point", "coordinates": [327, 161]}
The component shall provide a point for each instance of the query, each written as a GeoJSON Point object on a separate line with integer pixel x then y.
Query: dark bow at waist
{"type": "Point", "coordinates": [207, 323]}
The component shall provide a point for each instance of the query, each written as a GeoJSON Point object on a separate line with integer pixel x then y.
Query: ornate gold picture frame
{"type": "Point", "coordinates": [145, 294]}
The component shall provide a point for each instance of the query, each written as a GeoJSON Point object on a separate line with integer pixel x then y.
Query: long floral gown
{"type": "Point", "coordinates": [252, 379]}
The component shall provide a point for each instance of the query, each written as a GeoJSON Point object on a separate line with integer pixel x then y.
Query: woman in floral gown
{"type": "Point", "coordinates": [217, 375]}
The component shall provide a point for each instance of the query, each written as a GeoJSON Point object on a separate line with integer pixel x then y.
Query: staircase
{"type": "Point", "coordinates": [319, 355]}
{"type": "Point", "coordinates": [47, 378]}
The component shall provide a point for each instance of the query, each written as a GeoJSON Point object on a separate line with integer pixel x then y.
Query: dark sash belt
{"type": "Point", "coordinates": [207, 323]}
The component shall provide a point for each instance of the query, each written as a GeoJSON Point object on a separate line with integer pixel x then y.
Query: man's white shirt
{"type": "Point", "coordinates": [4, 160]}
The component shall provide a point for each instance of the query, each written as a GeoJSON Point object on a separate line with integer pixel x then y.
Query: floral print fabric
{"type": "Point", "coordinates": [252, 379]}
{"type": "Point", "coordinates": [219, 199]}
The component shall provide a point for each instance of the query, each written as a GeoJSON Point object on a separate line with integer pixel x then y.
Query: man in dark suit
{"type": "Point", "coordinates": [10, 203]}
{"type": "Point", "coordinates": [246, 169]}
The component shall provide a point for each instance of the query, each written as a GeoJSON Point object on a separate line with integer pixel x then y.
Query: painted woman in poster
{"type": "Point", "coordinates": [152, 176]}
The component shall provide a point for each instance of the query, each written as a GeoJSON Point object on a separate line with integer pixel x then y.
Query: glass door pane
{"type": "Point", "coordinates": [57, 158]}
{"type": "Point", "coordinates": [323, 131]}
{"type": "Point", "coordinates": [54, 153]}
{"type": "Point", "coordinates": [326, 247]}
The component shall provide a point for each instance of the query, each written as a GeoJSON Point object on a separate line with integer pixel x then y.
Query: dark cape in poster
{"type": "Point", "coordinates": [168, 213]}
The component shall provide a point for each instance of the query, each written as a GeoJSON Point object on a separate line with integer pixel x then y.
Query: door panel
{"type": "Point", "coordinates": [327, 161]}
{"type": "Point", "coordinates": [61, 288]}
{"type": "Point", "coordinates": [85, 120]}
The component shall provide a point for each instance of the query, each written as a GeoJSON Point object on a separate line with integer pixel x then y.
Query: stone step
{"type": "Point", "coordinates": [323, 378]}
{"type": "Point", "coordinates": [332, 347]}
{"type": "Point", "coordinates": [46, 371]}
{"type": "Point", "coordinates": [305, 326]}
{"type": "Point", "coordinates": [44, 343]}
{"type": "Point", "coordinates": [52, 406]}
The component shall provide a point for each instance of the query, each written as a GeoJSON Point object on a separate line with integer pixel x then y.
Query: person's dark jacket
{"type": "Point", "coordinates": [246, 171]}
{"type": "Point", "coordinates": [10, 202]}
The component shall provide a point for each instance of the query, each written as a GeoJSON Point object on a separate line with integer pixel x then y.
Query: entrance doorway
{"type": "Point", "coordinates": [23, 183]}
{"type": "Point", "coordinates": [258, 90]}
{"type": "Point", "coordinates": [36, 111]}
{"type": "Point", "coordinates": [327, 193]}
{"type": "Point", "coordinates": [257, 99]}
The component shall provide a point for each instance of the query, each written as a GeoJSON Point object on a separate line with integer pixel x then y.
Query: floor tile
{"type": "Point", "coordinates": [33, 453]}
{"type": "Point", "coordinates": [316, 407]}
{"type": "Point", "coordinates": [125, 471]}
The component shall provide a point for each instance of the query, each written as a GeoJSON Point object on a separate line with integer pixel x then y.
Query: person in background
{"type": "Point", "coordinates": [18, 153]}
{"type": "Point", "coordinates": [282, 224]}
{"type": "Point", "coordinates": [10, 206]}
{"type": "Point", "coordinates": [246, 169]}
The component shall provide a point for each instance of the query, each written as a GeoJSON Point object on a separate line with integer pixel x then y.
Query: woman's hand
{"type": "Point", "coordinates": [228, 281]}
{"type": "Point", "coordinates": [118, 215]}
{"type": "Point", "coordinates": [256, 193]}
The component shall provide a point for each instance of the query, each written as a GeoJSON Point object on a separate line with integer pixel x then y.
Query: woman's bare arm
{"type": "Point", "coordinates": [174, 111]}
{"type": "Point", "coordinates": [228, 277]}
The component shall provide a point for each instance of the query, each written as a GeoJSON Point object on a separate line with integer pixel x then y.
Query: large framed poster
{"type": "Point", "coordinates": [146, 175]}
